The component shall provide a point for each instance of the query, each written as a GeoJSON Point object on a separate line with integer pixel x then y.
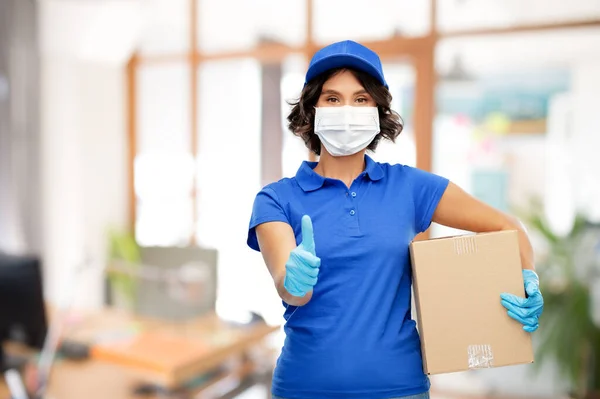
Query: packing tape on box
{"type": "Point", "coordinates": [465, 245]}
{"type": "Point", "coordinates": [480, 356]}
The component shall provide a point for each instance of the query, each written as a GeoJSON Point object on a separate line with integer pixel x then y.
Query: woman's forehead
{"type": "Point", "coordinates": [344, 80]}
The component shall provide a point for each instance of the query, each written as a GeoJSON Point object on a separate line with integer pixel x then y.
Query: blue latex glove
{"type": "Point", "coordinates": [526, 310]}
{"type": "Point", "coordinates": [302, 267]}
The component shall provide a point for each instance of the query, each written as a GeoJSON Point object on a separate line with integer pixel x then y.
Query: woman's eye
{"type": "Point", "coordinates": [361, 100]}
{"type": "Point", "coordinates": [332, 100]}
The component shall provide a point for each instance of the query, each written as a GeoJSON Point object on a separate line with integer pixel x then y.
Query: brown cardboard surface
{"type": "Point", "coordinates": [457, 283]}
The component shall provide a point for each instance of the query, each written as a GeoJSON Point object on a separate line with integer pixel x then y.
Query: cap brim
{"type": "Point", "coordinates": [343, 61]}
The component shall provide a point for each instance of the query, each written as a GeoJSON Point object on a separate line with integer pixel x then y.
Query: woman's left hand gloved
{"type": "Point", "coordinates": [526, 310]}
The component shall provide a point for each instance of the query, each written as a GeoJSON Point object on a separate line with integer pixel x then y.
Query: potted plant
{"type": "Point", "coordinates": [124, 261]}
{"type": "Point", "coordinates": [568, 267]}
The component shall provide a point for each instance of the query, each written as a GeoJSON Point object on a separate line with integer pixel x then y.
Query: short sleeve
{"type": "Point", "coordinates": [267, 208]}
{"type": "Point", "coordinates": [427, 189]}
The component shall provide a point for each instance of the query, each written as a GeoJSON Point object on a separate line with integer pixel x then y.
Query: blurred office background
{"type": "Point", "coordinates": [134, 131]}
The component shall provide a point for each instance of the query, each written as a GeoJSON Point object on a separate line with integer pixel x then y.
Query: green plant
{"type": "Point", "coordinates": [568, 335]}
{"type": "Point", "coordinates": [124, 258]}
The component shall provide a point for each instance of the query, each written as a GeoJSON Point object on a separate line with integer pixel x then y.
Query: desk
{"type": "Point", "coordinates": [240, 348]}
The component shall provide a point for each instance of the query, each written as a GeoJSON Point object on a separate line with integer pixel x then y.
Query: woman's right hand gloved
{"type": "Point", "coordinates": [302, 267]}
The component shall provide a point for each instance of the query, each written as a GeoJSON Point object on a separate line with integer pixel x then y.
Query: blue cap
{"type": "Point", "coordinates": [347, 54]}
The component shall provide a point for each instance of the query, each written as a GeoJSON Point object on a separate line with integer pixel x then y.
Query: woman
{"type": "Point", "coordinates": [335, 239]}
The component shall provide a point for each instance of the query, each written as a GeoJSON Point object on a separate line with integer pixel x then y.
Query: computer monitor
{"type": "Point", "coordinates": [22, 309]}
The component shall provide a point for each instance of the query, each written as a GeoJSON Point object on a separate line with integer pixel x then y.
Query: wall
{"type": "Point", "coordinates": [586, 138]}
{"type": "Point", "coordinates": [84, 164]}
{"type": "Point", "coordinates": [83, 138]}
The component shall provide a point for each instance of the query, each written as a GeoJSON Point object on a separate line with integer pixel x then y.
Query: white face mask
{"type": "Point", "coordinates": [346, 130]}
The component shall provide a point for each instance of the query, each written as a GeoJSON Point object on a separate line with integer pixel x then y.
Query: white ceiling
{"type": "Point", "coordinates": [109, 30]}
{"type": "Point", "coordinates": [104, 31]}
{"type": "Point", "coordinates": [466, 14]}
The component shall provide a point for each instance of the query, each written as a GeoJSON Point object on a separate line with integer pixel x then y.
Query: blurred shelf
{"type": "Point", "coordinates": [538, 126]}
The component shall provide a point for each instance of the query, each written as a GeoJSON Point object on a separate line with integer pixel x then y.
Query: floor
{"type": "Point", "coordinates": [260, 393]}
{"type": "Point", "coordinates": [256, 392]}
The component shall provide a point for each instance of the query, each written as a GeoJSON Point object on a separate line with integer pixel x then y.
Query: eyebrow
{"type": "Point", "coordinates": [330, 91]}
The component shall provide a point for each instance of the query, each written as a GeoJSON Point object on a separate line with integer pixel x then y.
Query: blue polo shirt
{"type": "Point", "coordinates": [355, 338]}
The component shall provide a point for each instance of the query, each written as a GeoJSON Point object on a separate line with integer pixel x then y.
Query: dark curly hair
{"type": "Point", "coordinates": [302, 116]}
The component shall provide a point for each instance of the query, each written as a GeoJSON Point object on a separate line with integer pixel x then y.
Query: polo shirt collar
{"type": "Point", "coordinates": [309, 180]}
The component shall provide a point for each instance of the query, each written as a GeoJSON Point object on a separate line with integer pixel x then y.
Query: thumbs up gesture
{"type": "Point", "coordinates": [302, 267]}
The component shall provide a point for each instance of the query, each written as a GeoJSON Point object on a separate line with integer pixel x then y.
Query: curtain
{"type": "Point", "coordinates": [20, 221]}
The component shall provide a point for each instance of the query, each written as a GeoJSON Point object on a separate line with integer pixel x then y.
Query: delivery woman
{"type": "Point", "coordinates": [335, 239]}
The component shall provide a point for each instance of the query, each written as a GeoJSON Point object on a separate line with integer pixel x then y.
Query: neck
{"type": "Point", "coordinates": [345, 168]}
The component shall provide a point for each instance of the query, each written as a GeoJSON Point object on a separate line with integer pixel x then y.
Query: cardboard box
{"type": "Point", "coordinates": [457, 284]}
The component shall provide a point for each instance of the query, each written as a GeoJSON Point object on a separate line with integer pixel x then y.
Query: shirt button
{"type": "Point", "coordinates": [353, 194]}
{"type": "Point", "coordinates": [352, 212]}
